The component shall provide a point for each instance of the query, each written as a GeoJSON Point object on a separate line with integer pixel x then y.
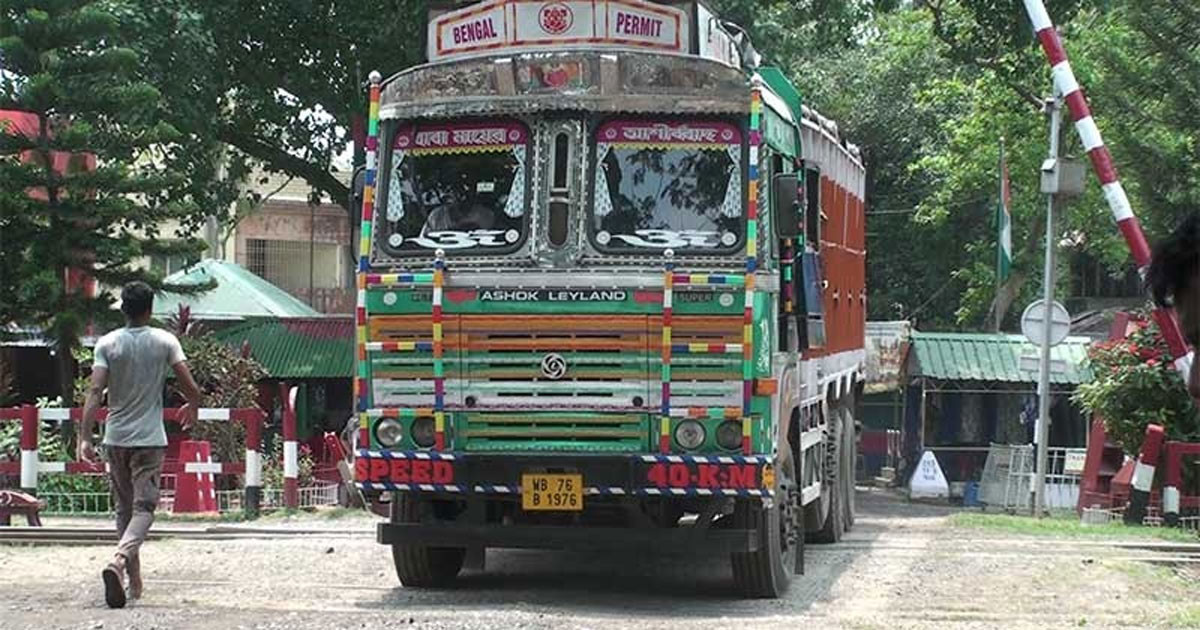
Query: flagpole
{"type": "Point", "coordinates": [999, 235]}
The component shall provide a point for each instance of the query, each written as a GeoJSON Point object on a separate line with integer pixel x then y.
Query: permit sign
{"type": "Point", "coordinates": [521, 24]}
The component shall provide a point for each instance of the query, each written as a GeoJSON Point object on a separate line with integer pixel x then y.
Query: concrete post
{"type": "Point", "coordinates": [291, 455]}
{"type": "Point", "coordinates": [1143, 475]}
{"type": "Point", "coordinates": [29, 449]}
{"type": "Point", "coordinates": [253, 496]}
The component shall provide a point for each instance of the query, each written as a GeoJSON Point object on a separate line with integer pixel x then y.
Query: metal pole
{"type": "Point", "coordinates": [999, 244]}
{"type": "Point", "coordinates": [1043, 421]}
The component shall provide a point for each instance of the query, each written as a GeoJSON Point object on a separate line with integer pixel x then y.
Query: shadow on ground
{"type": "Point", "coordinates": [652, 585]}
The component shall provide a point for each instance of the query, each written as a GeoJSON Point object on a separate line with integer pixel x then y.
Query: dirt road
{"type": "Point", "coordinates": [904, 566]}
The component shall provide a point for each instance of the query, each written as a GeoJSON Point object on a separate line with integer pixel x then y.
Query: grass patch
{"type": "Point", "coordinates": [1186, 618]}
{"type": "Point", "coordinates": [1067, 526]}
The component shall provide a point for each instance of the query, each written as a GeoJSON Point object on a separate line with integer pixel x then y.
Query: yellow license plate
{"type": "Point", "coordinates": [558, 493]}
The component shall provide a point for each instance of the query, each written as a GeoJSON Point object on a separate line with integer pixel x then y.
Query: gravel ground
{"type": "Point", "coordinates": [903, 566]}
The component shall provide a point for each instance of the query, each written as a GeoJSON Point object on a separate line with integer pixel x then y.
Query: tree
{"type": "Point", "coordinates": [882, 94]}
{"type": "Point", "coordinates": [930, 91]}
{"type": "Point", "coordinates": [67, 68]}
{"type": "Point", "coordinates": [1147, 77]}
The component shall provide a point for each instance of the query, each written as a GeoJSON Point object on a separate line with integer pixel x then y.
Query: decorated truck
{"type": "Point", "coordinates": [611, 294]}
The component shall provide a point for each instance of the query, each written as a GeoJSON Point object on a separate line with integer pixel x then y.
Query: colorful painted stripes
{"type": "Point", "coordinates": [399, 346]}
{"type": "Point", "coordinates": [1066, 84]}
{"type": "Point", "coordinates": [664, 435]}
{"type": "Point", "coordinates": [439, 364]}
{"type": "Point", "coordinates": [713, 413]}
{"type": "Point", "coordinates": [590, 490]}
{"type": "Point", "coordinates": [707, 279]}
{"type": "Point", "coordinates": [399, 279]}
{"type": "Point", "coordinates": [756, 120]}
{"type": "Point", "coordinates": [390, 455]}
{"type": "Point", "coordinates": [361, 390]}
{"type": "Point", "coordinates": [706, 348]}
{"type": "Point", "coordinates": [401, 413]}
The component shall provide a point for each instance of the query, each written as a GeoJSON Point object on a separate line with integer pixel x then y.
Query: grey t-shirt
{"type": "Point", "coordinates": [137, 360]}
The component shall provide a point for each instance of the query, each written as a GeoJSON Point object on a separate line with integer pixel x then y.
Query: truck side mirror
{"type": "Point", "coordinates": [358, 182]}
{"type": "Point", "coordinates": [786, 210]}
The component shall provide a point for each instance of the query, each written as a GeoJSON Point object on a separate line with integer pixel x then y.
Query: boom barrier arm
{"type": "Point", "coordinates": [1089, 134]}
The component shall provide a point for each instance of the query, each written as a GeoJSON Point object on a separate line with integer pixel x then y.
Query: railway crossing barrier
{"type": "Point", "coordinates": [1131, 492]}
{"type": "Point", "coordinates": [31, 468]}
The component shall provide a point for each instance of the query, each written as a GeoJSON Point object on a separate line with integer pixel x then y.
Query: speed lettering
{"type": "Point", "coordinates": [376, 470]}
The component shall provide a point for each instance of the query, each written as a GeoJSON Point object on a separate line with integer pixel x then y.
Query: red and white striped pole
{"type": "Point", "coordinates": [253, 491]}
{"type": "Point", "coordinates": [1171, 483]}
{"type": "Point", "coordinates": [1066, 85]}
{"type": "Point", "coordinates": [291, 455]}
{"type": "Point", "coordinates": [29, 449]}
{"type": "Point", "coordinates": [1143, 475]}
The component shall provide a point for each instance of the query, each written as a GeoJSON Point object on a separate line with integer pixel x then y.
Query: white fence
{"type": "Point", "coordinates": [1008, 475]}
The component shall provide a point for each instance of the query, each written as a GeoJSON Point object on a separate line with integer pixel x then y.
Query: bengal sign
{"type": "Point", "coordinates": [523, 24]}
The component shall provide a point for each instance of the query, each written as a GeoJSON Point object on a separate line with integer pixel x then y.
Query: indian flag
{"type": "Point", "coordinates": [1004, 256]}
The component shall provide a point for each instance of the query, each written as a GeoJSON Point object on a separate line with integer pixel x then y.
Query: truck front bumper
{"type": "Point", "coordinates": [603, 475]}
{"type": "Point", "coordinates": [611, 479]}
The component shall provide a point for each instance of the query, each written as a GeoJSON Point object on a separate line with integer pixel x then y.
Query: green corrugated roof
{"type": "Point", "coordinates": [991, 357]}
{"type": "Point", "coordinates": [297, 348]}
{"type": "Point", "coordinates": [239, 294]}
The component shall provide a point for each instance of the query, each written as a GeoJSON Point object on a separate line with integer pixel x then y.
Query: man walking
{"type": "Point", "coordinates": [132, 363]}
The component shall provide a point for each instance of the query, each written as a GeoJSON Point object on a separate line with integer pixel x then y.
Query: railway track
{"type": "Point", "coordinates": [82, 536]}
{"type": "Point", "coordinates": [1157, 552]}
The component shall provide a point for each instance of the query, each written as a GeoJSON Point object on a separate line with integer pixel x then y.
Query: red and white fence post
{"type": "Point", "coordinates": [29, 449]}
{"type": "Point", "coordinates": [1102, 163]}
{"type": "Point", "coordinates": [1171, 483]}
{"type": "Point", "coordinates": [253, 474]}
{"type": "Point", "coordinates": [291, 454]}
{"type": "Point", "coordinates": [1143, 475]}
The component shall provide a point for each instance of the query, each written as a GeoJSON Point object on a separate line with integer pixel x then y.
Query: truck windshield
{"type": "Point", "coordinates": [668, 186]}
{"type": "Point", "coordinates": [456, 187]}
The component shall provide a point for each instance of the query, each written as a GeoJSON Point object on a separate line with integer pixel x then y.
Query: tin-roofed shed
{"type": "Point", "coordinates": [238, 295]}
{"type": "Point", "coordinates": [965, 391]}
{"type": "Point", "coordinates": [316, 354]}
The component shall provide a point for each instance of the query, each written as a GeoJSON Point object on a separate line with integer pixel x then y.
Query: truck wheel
{"type": "Point", "coordinates": [767, 572]}
{"type": "Point", "coordinates": [835, 484]}
{"type": "Point", "coordinates": [417, 566]}
{"type": "Point", "coordinates": [850, 456]}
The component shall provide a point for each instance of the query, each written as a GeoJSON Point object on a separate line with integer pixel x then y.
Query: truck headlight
{"type": "Point", "coordinates": [388, 432]}
{"type": "Point", "coordinates": [729, 435]}
{"type": "Point", "coordinates": [689, 434]}
{"type": "Point", "coordinates": [423, 432]}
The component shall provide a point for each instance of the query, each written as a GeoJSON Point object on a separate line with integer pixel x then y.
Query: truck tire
{"type": "Point", "coordinates": [417, 566]}
{"type": "Point", "coordinates": [850, 450]}
{"type": "Point", "coordinates": [767, 572]}
{"type": "Point", "coordinates": [835, 483]}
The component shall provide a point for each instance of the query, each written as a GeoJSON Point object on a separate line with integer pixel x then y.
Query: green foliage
{"type": "Point", "coordinates": [70, 65]}
{"type": "Point", "coordinates": [226, 380]}
{"type": "Point", "coordinates": [930, 91]}
{"type": "Point", "coordinates": [1135, 384]}
{"type": "Point", "coordinates": [273, 466]}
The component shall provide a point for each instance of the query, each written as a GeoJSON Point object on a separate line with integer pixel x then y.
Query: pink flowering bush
{"type": "Point", "coordinates": [1134, 384]}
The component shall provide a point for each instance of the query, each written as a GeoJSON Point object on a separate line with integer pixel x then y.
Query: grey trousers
{"type": "Point", "coordinates": [134, 473]}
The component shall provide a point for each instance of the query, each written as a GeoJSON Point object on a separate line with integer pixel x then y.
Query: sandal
{"type": "Point", "coordinates": [114, 587]}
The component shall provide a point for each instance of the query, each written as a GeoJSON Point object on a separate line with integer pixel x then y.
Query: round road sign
{"type": "Point", "coordinates": [1033, 323]}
